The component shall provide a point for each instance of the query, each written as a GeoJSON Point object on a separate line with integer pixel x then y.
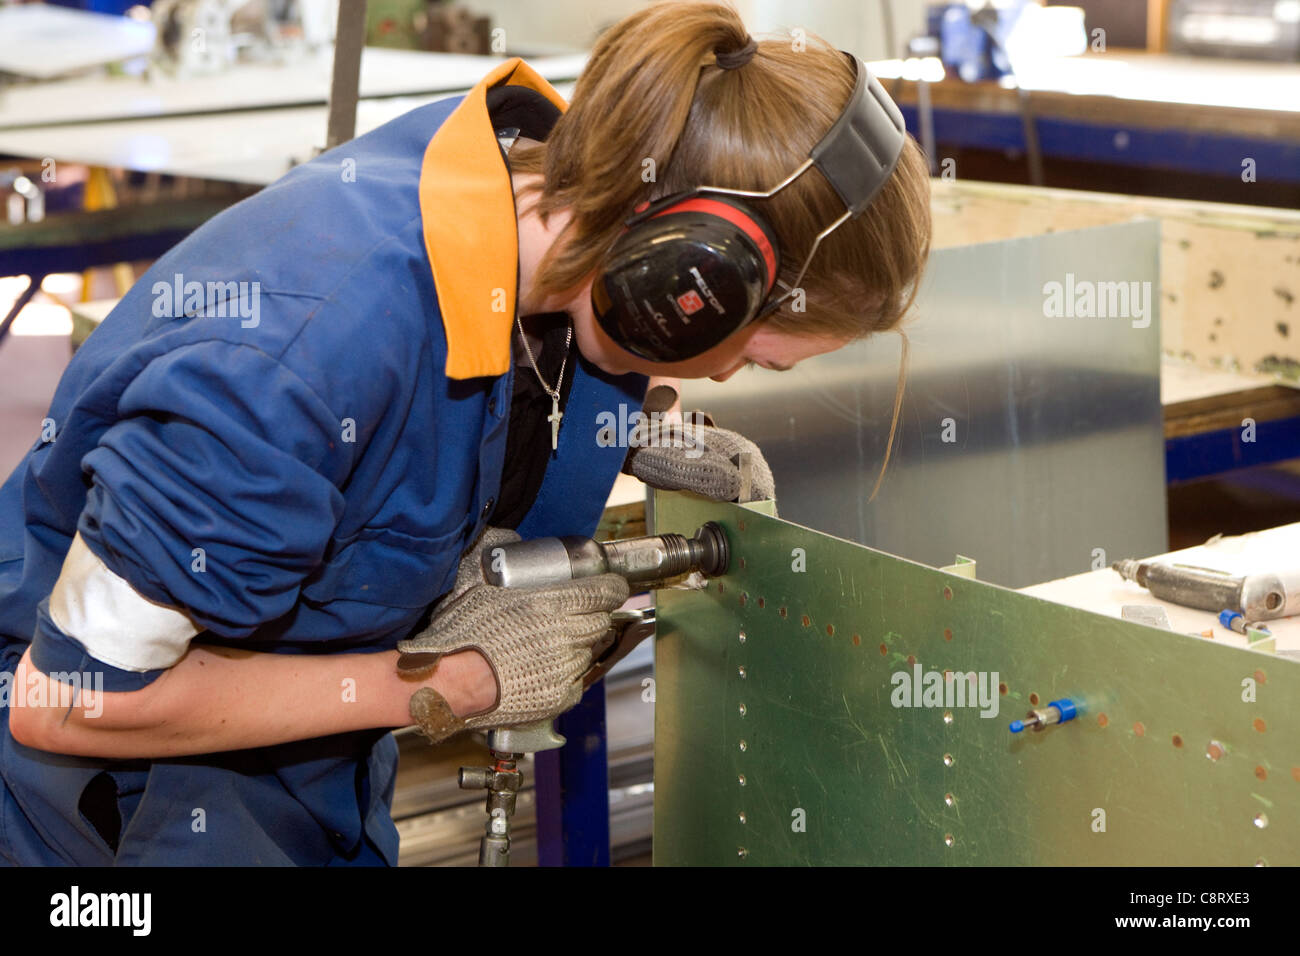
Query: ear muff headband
{"type": "Point", "coordinates": [860, 150]}
{"type": "Point", "coordinates": [644, 299]}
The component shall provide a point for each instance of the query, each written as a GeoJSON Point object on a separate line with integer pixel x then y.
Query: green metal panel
{"type": "Point", "coordinates": [796, 722]}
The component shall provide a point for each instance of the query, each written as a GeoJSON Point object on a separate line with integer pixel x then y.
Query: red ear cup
{"type": "Point", "coordinates": [743, 219]}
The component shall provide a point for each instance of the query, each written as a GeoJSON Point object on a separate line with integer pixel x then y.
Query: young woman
{"type": "Point", "coordinates": [267, 465]}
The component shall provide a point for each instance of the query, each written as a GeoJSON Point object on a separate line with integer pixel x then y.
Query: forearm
{"type": "Point", "coordinates": [217, 699]}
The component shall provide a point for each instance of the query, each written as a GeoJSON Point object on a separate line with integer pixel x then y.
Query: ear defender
{"type": "Point", "coordinates": [694, 268]}
{"type": "Point", "coordinates": [686, 274]}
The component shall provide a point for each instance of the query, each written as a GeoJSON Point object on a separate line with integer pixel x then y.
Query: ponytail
{"type": "Point", "coordinates": [674, 97]}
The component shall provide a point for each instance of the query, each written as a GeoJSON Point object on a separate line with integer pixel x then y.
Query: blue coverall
{"type": "Point", "coordinates": [300, 477]}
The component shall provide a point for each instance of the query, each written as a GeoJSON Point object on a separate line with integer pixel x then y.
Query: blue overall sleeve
{"type": "Point", "coordinates": [214, 492]}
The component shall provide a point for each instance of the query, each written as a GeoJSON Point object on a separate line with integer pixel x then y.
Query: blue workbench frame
{"type": "Point", "coordinates": [1176, 150]}
{"type": "Point", "coordinates": [572, 788]}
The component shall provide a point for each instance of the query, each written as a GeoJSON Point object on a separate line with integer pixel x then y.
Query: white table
{"type": "Point", "coordinates": [249, 145]}
{"type": "Point", "coordinates": [39, 40]}
{"type": "Point", "coordinates": [1105, 592]}
{"type": "Point", "coordinates": [305, 81]}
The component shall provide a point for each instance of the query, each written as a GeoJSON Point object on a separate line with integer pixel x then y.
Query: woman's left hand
{"type": "Point", "coordinates": [697, 456]}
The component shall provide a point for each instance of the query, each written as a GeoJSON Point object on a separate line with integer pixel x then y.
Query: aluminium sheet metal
{"type": "Point", "coordinates": [1031, 435]}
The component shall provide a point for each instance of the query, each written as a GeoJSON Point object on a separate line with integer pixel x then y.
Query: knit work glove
{"type": "Point", "coordinates": [538, 642]}
{"type": "Point", "coordinates": [702, 458]}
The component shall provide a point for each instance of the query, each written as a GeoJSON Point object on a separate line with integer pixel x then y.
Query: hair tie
{"type": "Point", "coordinates": [738, 58]}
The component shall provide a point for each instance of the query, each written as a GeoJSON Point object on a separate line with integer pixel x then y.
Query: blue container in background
{"type": "Point", "coordinates": [971, 43]}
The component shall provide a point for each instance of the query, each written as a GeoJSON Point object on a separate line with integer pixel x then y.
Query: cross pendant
{"type": "Point", "coordinates": [554, 418]}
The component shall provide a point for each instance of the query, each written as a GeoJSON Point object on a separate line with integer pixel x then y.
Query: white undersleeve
{"type": "Point", "coordinates": [113, 621]}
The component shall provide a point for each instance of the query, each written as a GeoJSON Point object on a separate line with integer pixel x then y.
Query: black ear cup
{"type": "Point", "coordinates": [688, 273]}
{"type": "Point", "coordinates": [696, 267]}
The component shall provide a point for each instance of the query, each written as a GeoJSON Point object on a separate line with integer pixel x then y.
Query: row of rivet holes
{"type": "Point", "coordinates": [741, 852]}
{"type": "Point", "coordinates": [1260, 820]}
{"type": "Point", "coordinates": [740, 670]}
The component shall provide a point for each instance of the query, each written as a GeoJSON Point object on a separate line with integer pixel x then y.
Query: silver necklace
{"type": "Point", "coordinates": [556, 415]}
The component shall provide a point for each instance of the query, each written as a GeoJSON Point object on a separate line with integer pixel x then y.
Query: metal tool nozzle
{"type": "Point", "coordinates": [645, 561]}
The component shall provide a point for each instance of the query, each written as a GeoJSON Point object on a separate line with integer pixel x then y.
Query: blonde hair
{"type": "Point", "coordinates": [653, 99]}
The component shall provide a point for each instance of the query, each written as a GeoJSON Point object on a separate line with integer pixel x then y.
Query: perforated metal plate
{"type": "Point", "coordinates": [777, 741]}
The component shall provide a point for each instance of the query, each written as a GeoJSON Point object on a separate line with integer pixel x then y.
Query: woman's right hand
{"type": "Point", "coordinates": [538, 642]}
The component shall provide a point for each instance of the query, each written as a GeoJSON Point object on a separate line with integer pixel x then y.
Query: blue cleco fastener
{"type": "Point", "coordinates": [1232, 620]}
{"type": "Point", "coordinates": [1056, 712]}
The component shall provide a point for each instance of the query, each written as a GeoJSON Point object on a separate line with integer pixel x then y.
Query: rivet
{"type": "Point", "coordinates": [741, 779]}
{"type": "Point", "coordinates": [743, 745]}
{"type": "Point", "coordinates": [742, 852]}
{"type": "Point", "coordinates": [742, 710]}
{"type": "Point", "coordinates": [742, 816]}
{"type": "Point", "coordinates": [741, 671]}
{"type": "Point", "coordinates": [949, 799]}
{"type": "Point", "coordinates": [947, 716]}
{"type": "Point", "coordinates": [742, 637]}
{"type": "Point", "coordinates": [948, 840]}
{"type": "Point", "coordinates": [1261, 820]}
{"type": "Point", "coordinates": [947, 760]}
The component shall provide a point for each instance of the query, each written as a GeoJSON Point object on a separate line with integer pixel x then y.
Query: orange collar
{"type": "Point", "coordinates": [471, 236]}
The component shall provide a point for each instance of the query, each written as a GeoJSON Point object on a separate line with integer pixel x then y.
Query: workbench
{"type": "Point", "coordinates": [303, 81]}
{"type": "Point", "coordinates": [251, 124]}
{"type": "Point", "coordinates": [1229, 286]}
{"type": "Point", "coordinates": [1205, 410]}
{"type": "Point", "coordinates": [1124, 108]}
{"type": "Point", "coordinates": [1103, 591]}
